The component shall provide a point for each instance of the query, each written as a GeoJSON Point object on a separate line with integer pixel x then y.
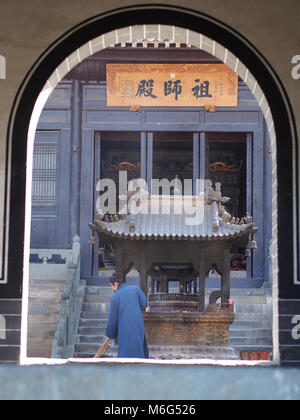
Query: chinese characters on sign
{"type": "Point", "coordinates": [146, 89]}
{"type": "Point", "coordinates": [171, 85]}
{"type": "Point", "coordinates": [202, 89]}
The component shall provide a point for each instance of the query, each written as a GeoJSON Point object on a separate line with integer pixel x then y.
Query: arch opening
{"type": "Point", "coordinates": [180, 35]}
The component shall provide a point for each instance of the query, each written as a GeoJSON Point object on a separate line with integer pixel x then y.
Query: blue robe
{"type": "Point", "coordinates": [126, 322]}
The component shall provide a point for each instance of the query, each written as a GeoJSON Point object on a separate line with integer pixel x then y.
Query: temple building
{"type": "Point", "coordinates": [83, 136]}
{"type": "Point", "coordinates": [154, 119]}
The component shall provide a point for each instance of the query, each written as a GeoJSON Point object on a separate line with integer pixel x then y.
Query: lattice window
{"type": "Point", "coordinates": [44, 177]}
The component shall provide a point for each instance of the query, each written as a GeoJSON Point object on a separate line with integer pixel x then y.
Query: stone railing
{"type": "Point", "coordinates": [53, 263]}
{"type": "Point", "coordinates": [67, 268]}
{"type": "Point", "coordinates": [71, 304]}
{"type": "Point", "coordinates": [53, 273]}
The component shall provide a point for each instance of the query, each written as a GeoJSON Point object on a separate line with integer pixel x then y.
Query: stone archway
{"type": "Point", "coordinates": [156, 31]}
{"type": "Point", "coordinates": [161, 33]}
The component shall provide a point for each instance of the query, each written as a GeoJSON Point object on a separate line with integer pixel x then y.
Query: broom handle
{"type": "Point", "coordinates": [103, 348]}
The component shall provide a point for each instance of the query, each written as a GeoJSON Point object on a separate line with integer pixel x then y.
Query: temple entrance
{"type": "Point", "coordinates": [225, 157]}
{"type": "Point", "coordinates": [173, 157]}
{"type": "Point", "coordinates": [193, 142]}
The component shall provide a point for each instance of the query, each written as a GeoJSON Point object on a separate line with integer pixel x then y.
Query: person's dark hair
{"type": "Point", "coordinates": [115, 279]}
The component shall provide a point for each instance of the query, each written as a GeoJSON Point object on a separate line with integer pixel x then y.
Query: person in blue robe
{"type": "Point", "coordinates": [126, 320]}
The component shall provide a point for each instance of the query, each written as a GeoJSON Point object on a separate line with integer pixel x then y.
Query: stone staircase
{"type": "Point", "coordinates": [93, 321]}
{"type": "Point", "coordinates": [252, 329]}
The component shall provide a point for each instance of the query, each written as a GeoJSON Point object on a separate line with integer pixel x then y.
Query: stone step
{"type": "Point", "coordinates": [92, 306]}
{"type": "Point", "coordinates": [96, 299]}
{"type": "Point", "coordinates": [252, 347]}
{"type": "Point", "coordinates": [245, 316]}
{"type": "Point", "coordinates": [111, 352]}
{"type": "Point", "coordinates": [93, 315]}
{"type": "Point", "coordinates": [234, 341]}
{"type": "Point", "coordinates": [91, 339]}
{"type": "Point", "coordinates": [91, 331]}
{"type": "Point", "coordinates": [93, 323]}
{"type": "Point", "coordinates": [253, 332]}
{"type": "Point", "coordinates": [250, 308]}
{"type": "Point", "coordinates": [98, 290]}
{"type": "Point", "coordinates": [262, 300]}
{"type": "Point", "coordinates": [87, 351]}
{"type": "Point", "coordinates": [87, 348]}
{"type": "Point", "coordinates": [248, 324]}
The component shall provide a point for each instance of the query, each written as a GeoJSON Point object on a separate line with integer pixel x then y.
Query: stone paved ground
{"type": "Point", "coordinates": [151, 382]}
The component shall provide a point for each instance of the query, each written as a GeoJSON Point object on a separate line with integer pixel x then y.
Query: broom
{"type": "Point", "coordinates": [103, 349]}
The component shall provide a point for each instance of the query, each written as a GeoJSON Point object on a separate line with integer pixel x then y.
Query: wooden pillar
{"type": "Point", "coordinates": [86, 198]}
{"type": "Point", "coordinates": [195, 286]}
{"type": "Point", "coordinates": [75, 158]}
{"type": "Point", "coordinates": [249, 192]}
{"type": "Point", "coordinates": [204, 156]}
{"type": "Point", "coordinates": [150, 160]}
{"type": "Point", "coordinates": [258, 200]}
{"type": "Point", "coordinates": [97, 177]}
{"type": "Point", "coordinates": [201, 158]}
{"type": "Point", "coordinates": [196, 160]}
{"type": "Point", "coordinates": [267, 206]}
{"type": "Point", "coordinates": [144, 156]}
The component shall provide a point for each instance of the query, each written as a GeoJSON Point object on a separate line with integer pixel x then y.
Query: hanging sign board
{"type": "Point", "coordinates": [171, 85]}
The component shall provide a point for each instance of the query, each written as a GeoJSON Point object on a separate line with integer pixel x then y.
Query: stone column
{"type": "Point", "coordinates": [195, 291]}
{"type": "Point", "coordinates": [202, 276]}
{"type": "Point", "coordinates": [153, 286]}
{"type": "Point", "coordinates": [226, 268]}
